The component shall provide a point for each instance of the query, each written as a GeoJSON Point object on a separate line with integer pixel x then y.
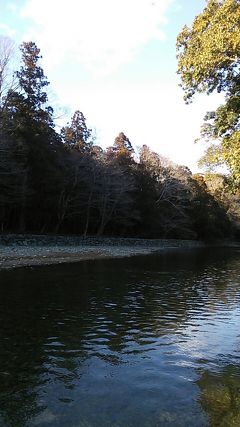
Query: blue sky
{"type": "Point", "coordinates": [115, 60]}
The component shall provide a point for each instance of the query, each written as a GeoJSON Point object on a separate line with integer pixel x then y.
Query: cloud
{"type": "Point", "coordinates": [153, 114]}
{"type": "Point", "coordinates": [101, 35]}
{"type": "Point", "coordinates": [6, 30]}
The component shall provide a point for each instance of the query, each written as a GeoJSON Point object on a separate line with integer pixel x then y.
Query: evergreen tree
{"type": "Point", "coordinates": [76, 135]}
{"type": "Point", "coordinates": [121, 151]}
{"type": "Point", "coordinates": [33, 82]}
{"type": "Point", "coordinates": [29, 123]}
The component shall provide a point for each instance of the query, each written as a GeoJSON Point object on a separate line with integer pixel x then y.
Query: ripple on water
{"type": "Point", "coordinates": [123, 343]}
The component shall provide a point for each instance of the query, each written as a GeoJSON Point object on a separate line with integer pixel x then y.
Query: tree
{"type": "Point", "coordinates": [32, 82]}
{"type": "Point", "coordinates": [12, 174]}
{"type": "Point", "coordinates": [208, 214]}
{"type": "Point", "coordinates": [121, 151]}
{"type": "Point", "coordinates": [77, 193]}
{"type": "Point", "coordinates": [28, 121]}
{"type": "Point", "coordinates": [7, 77]}
{"type": "Point", "coordinates": [114, 200]}
{"type": "Point", "coordinates": [171, 189]}
{"type": "Point", "coordinates": [209, 60]}
{"type": "Point", "coordinates": [76, 134]}
{"type": "Point", "coordinates": [28, 107]}
{"type": "Point", "coordinates": [219, 187]}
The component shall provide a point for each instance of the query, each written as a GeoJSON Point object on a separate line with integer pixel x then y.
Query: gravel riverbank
{"type": "Point", "coordinates": [22, 250]}
{"type": "Point", "coordinates": [16, 256]}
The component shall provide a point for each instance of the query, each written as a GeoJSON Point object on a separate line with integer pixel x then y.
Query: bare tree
{"type": "Point", "coordinates": [13, 181]}
{"type": "Point", "coordinates": [8, 80]}
{"type": "Point", "coordinates": [172, 189]}
{"type": "Point", "coordinates": [114, 201]}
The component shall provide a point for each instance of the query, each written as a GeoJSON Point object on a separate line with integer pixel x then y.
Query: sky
{"type": "Point", "coordinates": [115, 60]}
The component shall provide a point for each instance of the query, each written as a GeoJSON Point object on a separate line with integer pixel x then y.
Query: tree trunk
{"type": "Point", "coordinates": [22, 219]}
{"type": "Point", "coordinates": [88, 215]}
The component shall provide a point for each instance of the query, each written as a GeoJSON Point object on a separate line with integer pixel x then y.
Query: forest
{"type": "Point", "coordinates": [63, 182]}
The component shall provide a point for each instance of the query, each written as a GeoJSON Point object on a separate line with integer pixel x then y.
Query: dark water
{"type": "Point", "coordinates": [140, 342]}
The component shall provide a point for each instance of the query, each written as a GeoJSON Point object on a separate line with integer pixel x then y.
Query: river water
{"type": "Point", "coordinates": [138, 342]}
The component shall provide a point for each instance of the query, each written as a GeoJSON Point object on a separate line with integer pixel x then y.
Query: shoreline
{"type": "Point", "coordinates": [30, 251]}
{"type": "Point", "coordinates": [14, 257]}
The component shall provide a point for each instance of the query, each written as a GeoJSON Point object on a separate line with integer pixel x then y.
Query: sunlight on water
{"type": "Point", "coordinates": [146, 341]}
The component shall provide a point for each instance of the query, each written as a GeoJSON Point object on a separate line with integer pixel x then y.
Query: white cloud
{"type": "Point", "coordinates": [6, 30]}
{"type": "Point", "coordinates": [152, 114]}
{"type": "Point", "coordinates": [101, 34]}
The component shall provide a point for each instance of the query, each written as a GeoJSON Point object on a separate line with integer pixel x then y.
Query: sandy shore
{"type": "Point", "coordinates": [17, 256]}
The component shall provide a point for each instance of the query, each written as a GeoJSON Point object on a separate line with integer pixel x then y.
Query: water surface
{"type": "Point", "coordinates": [140, 342]}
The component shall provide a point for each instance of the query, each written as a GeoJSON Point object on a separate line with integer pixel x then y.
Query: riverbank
{"type": "Point", "coordinates": [15, 256]}
{"type": "Point", "coordinates": [21, 250]}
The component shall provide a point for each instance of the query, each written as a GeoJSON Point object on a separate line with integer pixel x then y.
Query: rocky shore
{"type": "Point", "coordinates": [17, 256]}
{"type": "Point", "coordinates": [33, 250]}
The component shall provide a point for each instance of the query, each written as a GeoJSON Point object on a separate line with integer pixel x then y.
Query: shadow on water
{"type": "Point", "coordinates": [144, 341]}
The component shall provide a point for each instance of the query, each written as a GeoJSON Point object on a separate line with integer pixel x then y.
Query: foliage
{"type": "Point", "coordinates": [220, 187]}
{"type": "Point", "coordinates": [209, 52]}
{"type": "Point", "coordinates": [76, 134]}
{"type": "Point", "coordinates": [51, 182]}
{"type": "Point", "coordinates": [209, 216]}
{"type": "Point", "coordinates": [121, 151]}
{"type": "Point", "coordinates": [208, 60]}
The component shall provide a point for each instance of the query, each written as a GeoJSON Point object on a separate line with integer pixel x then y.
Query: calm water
{"type": "Point", "coordinates": [140, 342]}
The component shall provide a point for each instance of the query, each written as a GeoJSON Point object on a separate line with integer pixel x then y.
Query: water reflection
{"type": "Point", "coordinates": [117, 342]}
{"type": "Point", "coordinates": [220, 396]}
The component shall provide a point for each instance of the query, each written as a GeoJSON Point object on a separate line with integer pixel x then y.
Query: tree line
{"type": "Point", "coordinates": [63, 182]}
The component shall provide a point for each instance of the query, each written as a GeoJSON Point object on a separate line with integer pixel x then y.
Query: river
{"type": "Point", "coordinates": [147, 341]}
